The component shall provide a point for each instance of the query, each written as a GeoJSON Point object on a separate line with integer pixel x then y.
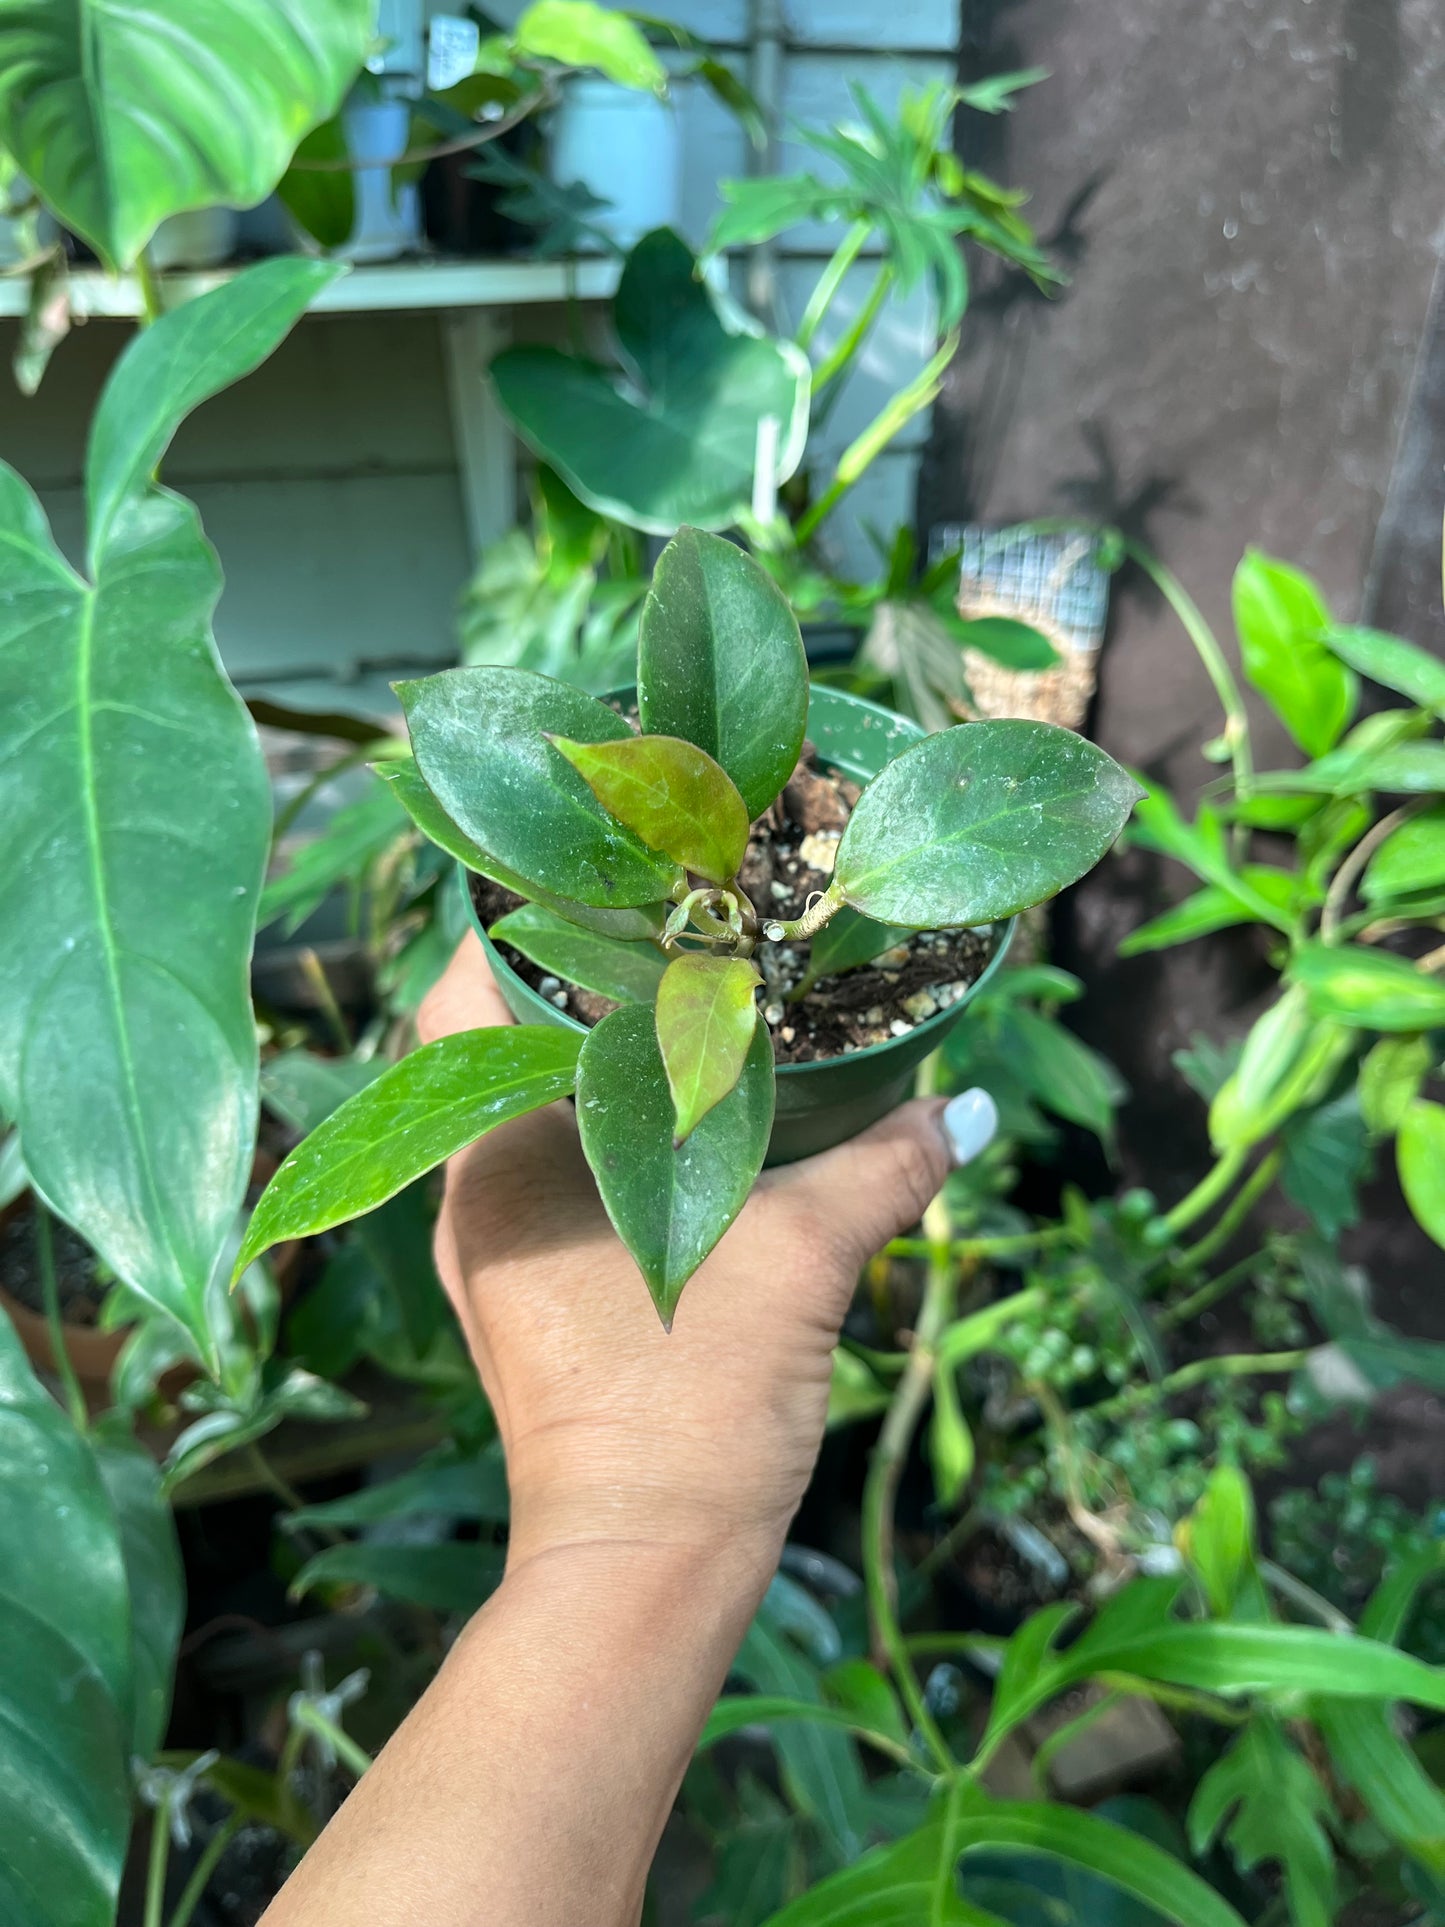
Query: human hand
{"type": "Point", "coordinates": [615, 1431]}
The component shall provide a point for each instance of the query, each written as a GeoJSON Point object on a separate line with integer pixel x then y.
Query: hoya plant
{"type": "Point", "coordinates": [627, 846]}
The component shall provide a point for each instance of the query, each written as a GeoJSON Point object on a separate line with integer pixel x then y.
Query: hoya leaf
{"type": "Point", "coordinates": [580, 34]}
{"type": "Point", "coordinates": [480, 739]}
{"type": "Point", "coordinates": [706, 1020]}
{"type": "Point", "coordinates": [980, 822]}
{"type": "Point", "coordinates": [1391, 1073]}
{"type": "Point", "coordinates": [412, 1118]}
{"type": "Point", "coordinates": [1412, 858]}
{"type": "Point", "coordinates": [672, 795]}
{"type": "Point", "coordinates": [1367, 989]}
{"type": "Point", "coordinates": [669, 1205]}
{"type": "Point", "coordinates": [628, 973]}
{"type": "Point", "coordinates": [848, 941]}
{"type": "Point", "coordinates": [1420, 1151]}
{"type": "Point", "coordinates": [1280, 617]}
{"type": "Point", "coordinates": [720, 662]}
{"type": "Point", "coordinates": [1399, 665]}
{"type": "Point", "coordinates": [1280, 1809]}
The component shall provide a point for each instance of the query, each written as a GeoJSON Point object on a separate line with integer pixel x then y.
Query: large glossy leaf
{"type": "Point", "coordinates": [669, 1205]}
{"type": "Point", "coordinates": [1280, 617]}
{"type": "Point", "coordinates": [1402, 666]}
{"type": "Point", "coordinates": [1413, 858]}
{"type": "Point", "coordinates": [673, 795]}
{"type": "Point", "coordinates": [720, 662]}
{"type": "Point", "coordinates": [131, 776]}
{"type": "Point", "coordinates": [66, 1686]}
{"type": "Point", "coordinates": [1421, 1153]}
{"type": "Point", "coordinates": [629, 973]}
{"type": "Point", "coordinates": [675, 439]}
{"type": "Point", "coordinates": [480, 738]}
{"type": "Point", "coordinates": [123, 115]}
{"type": "Point", "coordinates": [1368, 989]}
{"type": "Point", "coordinates": [155, 1580]}
{"type": "Point", "coordinates": [706, 1019]}
{"type": "Point", "coordinates": [423, 1109]}
{"type": "Point", "coordinates": [980, 822]}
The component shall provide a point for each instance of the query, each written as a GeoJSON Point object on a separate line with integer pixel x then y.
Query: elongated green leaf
{"type": "Point", "coordinates": [720, 662]}
{"type": "Point", "coordinates": [423, 1109]}
{"type": "Point", "coordinates": [676, 439]}
{"type": "Point", "coordinates": [453, 1488]}
{"type": "Point", "coordinates": [302, 1088]}
{"type": "Point", "coordinates": [155, 1581]}
{"type": "Point", "coordinates": [579, 34]}
{"type": "Point", "coordinates": [706, 1021]}
{"type": "Point", "coordinates": [951, 1452]}
{"type": "Point", "coordinates": [669, 1205]}
{"type": "Point", "coordinates": [449, 1578]}
{"type": "Point", "coordinates": [1074, 1081]}
{"type": "Point", "coordinates": [848, 941]}
{"type": "Point", "coordinates": [480, 739]}
{"type": "Point", "coordinates": [1218, 906]}
{"type": "Point", "coordinates": [629, 973]}
{"type": "Point", "coordinates": [1367, 989]}
{"type": "Point", "coordinates": [672, 794]}
{"type": "Point", "coordinates": [66, 1689]}
{"type": "Point", "coordinates": [127, 1047]}
{"type": "Point", "coordinates": [1420, 1149]}
{"type": "Point", "coordinates": [1412, 769]}
{"type": "Point", "coordinates": [1372, 1758]}
{"type": "Point", "coordinates": [1399, 665]}
{"type": "Point", "coordinates": [123, 115]}
{"type": "Point", "coordinates": [1413, 858]}
{"type": "Point", "coordinates": [1391, 1073]}
{"type": "Point", "coordinates": [731, 1716]}
{"type": "Point", "coordinates": [1280, 617]}
{"type": "Point", "coordinates": [980, 822]}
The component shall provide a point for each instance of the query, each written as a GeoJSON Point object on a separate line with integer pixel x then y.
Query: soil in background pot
{"type": "Point", "coordinates": [790, 857]}
{"type": "Point", "coordinates": [81, 1288]}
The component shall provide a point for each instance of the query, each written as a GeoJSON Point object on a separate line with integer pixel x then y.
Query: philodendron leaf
{"type": "Point", "coordinates": [480, 739]}
{"type": "Point", "coordinates": [629, 973]}
{"type": "Point", "coordinates": [66, 1689]}
{"type": "Point", "coordinates": [121, 116]}
{"type": "Point", "coordinates": [675, 439]}
{"type": "Point", "coordinates": [127, 1046]}
{"type": "Point", "coordinates": [1281, 619]}
{"type": "Point", "coordinates": [676, 798]}
{"type": "Point", "coordinates": [720, 662]}
{"type": "Point", "coordinates": [706, 1018]}
{"type": "Point", "coordinates": [980, 822]}
{"type": "Point", "coordinates": [412, 1118]}
{"type": "Point", "coordinates": [1368, 989]}
{"type": "Point", "coordinates": [847, 942]}
{"type": "Point", "coordinates": [1420, 1150]}
{"type": "Point", "coordinates": [669, 1205]}
{"type": "Point", "coordinates": [407, 785]}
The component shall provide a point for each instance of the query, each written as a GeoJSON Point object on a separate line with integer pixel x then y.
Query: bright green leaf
{"type": "Point", "coordinates": [1420, 1150]}
{"type": "Point", "coordinates": [628, 973]}
{"type": "Point", "coordinates": [1280, 616]}
{"type": "Point", "coordinates": [706, 1020]}
{"type": "Point", "coordinates": [669, 1205]}
{"type": "Point", "coordinates": [1391, 1074]}
{"type": "Point", "coordinates": [1288, 1060]}
{"type": "Point", "coordinates": [950, 1439]}
{"type": "Point", "coordinates": [1218, 906]}
{"type": "Point", "coordinates": [731, 1716]}
{"type": "Point", "coordinates": [1402, 666]}
{"type": "Point", "coordinates": [1406, 768]}
{"type": "Point", "coordinates": [579, 34]}
{"type": "Point", "coordinates": [1412, 858]}
{"type": "Point", "coordinates": [1371, 1757]}
{"type": "Point", "coordinates": [1017, 645]}
{"type": "Point", "coordinates": [1217, 1538]}
{"type": "Point", "coordinates": [980, 822]}
{"type": "Point", "coordinates": [1367, 989]}
{"type": "Point", "coordinates": [415, 1116]}
{"type": "Point", "coordinates": [720, 662]}
{"type": "Point", "coordinates": [480, 738]}
{"type": "Point", "coordinates": [672, 795]}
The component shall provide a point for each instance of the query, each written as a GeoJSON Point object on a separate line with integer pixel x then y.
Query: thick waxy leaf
{"type": "Point", "coordinates": [669, 1205]}
{"type": "Point", "coordinates": [414, 1117]}
{"type": "Point", "coordinates": [1412, 859]}
{"type": "Point", "coordinates": [66, 1689]}
{"type": "Point", "coordinates": [1368, 989]}
{"type": "Point", "coordinates": [155, 1580]}
{"type": "Point", "coordinates": [1421, 1153]}
{"type": "Point", "coordinates": [131, 773]}
{"type": "Point", "coordinates": [672, 794]}
{"type": "Point", "coordinates": [1280, 617]}
{"type": "Point", "coordinates": [1398, 665]}
{"type": "Point", "coordinates": [123, 115]}
{"type": "Point", "coordinates": [408, 786]}
{"type": "Point", "coordinates": [480, 738]}
{"type": "Point", "coordinates": [629, 973]}
{"type": "Point", "coordinates": [720, 662]}
{"type": "Point", "coordinates": [675, 439]}
{"type": "Point", "coordinates": [848, 941]}
{"type": "Point", "coordinates": [706, 1019]}
{"type": "Point", "coordinates": [980, 822]}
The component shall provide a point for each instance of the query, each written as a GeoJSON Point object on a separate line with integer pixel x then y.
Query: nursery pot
{"type": "Point", "coordinates": [623, 145]}
{"type": "Point", "coordinates": [823, 1103]}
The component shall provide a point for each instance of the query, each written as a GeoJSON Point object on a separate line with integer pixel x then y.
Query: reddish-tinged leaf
{"type": "Point", "coordinates": [672, 795]}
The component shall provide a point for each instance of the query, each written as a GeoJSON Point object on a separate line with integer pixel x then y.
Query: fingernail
{"type": "Point", "coordinates": [970, 1122]}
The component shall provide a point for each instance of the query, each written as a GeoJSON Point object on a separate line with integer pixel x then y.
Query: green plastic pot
{"type": "Point", "coordinates": [822, 1104]}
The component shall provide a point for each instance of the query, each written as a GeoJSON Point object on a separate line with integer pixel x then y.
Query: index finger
{"type": "Point", "coordinates": [464, 997]}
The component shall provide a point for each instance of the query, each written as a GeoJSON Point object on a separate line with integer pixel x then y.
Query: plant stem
{"type": "Point", "coordinates": [1234, 1215]}
{"type": "Point", "coordinates": [156, 1864]}
{"type": "Point", "coordinates": [852, 339]}
{"type": "Point", "coordinates": [1198, 1372]}
{"type": "Point", "coordinates": [1344, 878]}
{"type": "Point", "coordinates": [1207, 1193]}
{"type": "Point", "coordinates": [1001, 1247]}
{"type": "Point", "coordinates": [1305, 1597]}
{"type": "Point", "coordinates": [885, 1467]}
{"type": "Point", "coordinates": [345, 1748]}
{"type": "Point", "coordinates": [204, 1868]}
{"type": "Point", "coordinates": [830, 280]}
{"type": "Point", "coordinates": [54, 1325]}
{"type": "Point", "coordinates": [314, 971]}
{"type": "Point", "coordinates": [1208, 1294]}
{"type": "Point", "coordinates": [150, 288]}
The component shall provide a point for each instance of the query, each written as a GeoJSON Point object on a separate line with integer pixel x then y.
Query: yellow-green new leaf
{"type": "Point", "coordinates": [1420, 1151]}
{"type": "Point", "coordinates": [706, 1018]}
{"type": "Point", "coordinates": [672, 795]}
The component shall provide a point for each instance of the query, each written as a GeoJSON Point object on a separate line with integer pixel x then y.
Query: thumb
{"type": "Point", "coordinates": [875, 1186]}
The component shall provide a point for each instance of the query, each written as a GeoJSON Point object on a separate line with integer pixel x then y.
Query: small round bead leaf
{"type": "Point", "coordinates": [628, 973]}
{"type": "Point", "coordinates": [672, 795]}
{"type": "Point", "coordinates": [980, 822]}
{"type": "Point", "coordinates": [706, 1018]}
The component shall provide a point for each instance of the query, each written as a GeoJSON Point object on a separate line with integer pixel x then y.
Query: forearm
{"type": "Point", "coordinates": [531, 1782]}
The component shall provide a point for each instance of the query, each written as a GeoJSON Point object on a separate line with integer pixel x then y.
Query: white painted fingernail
{"type": "Point", "coordinates": [970, 1123]}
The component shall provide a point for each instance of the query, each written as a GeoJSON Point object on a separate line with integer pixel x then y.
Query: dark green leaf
{"type": "Point", "coordinates": [669, 1205]}
{"type": "Point", "coordinates": [1280, 1813]}
{"type": "Point", "coordinates": [1280, 616]}
{"type": "Point", "coordinates": [480, 738]}
{"type": "Point", "coordinates": [848, 941]}
{"type": "Point", "coordinates": [253, 1792]}
{"type": "Point", "coordinates": [1411, 672]}
{"type": "Point", "coordinates": [397, 1240]}
{"type": "Point", "coordinates": [356, 837]}
{"type": "Point", "coordinates": [979, 823]}
{"type": "Point", "coordinates": [303, 1088]}
{"type": "Point", "coordinates": [628, 973]}
{"type": "Point", "coordinates": [1069, 1078]}
{"type": "Point", "coordinates": [1391, 1074]}
{"type": "Point", "coordinates": [672, 794]}
{"type": "Point", "coordinates": [154, 1578]}
{"type": "Point", "coordinates": [415, 1116]}
{"type": "Point", "coordinates": [706, 1021]}
{"type": "Point", "coordinates": [1370, 1756]}
{"type": "Point", "coordinates": [1367, 989]}
{"type": "Point", "coordinates": [1420, 1149]}
{"type": "Point", "coordinates": [1413, 858]}
{"type": "Point", "coordinates": [757, 1864]}
{"type": "Point", "coordinates": [448, 1579]}
{"type": "Point", "coordinates": [447, 1488]}
{"type": "Point", "coordinates": [720, 662]}
{"type": "Point", "coordinates": [321, 200]}
{"type": "Point", "coordinates": [127, 1046]}
{"type": "Point", "coordinates": [1326, 1153]}
{"type": "Point", "coordinates": [858, 1687]}
{"type": "Point", "coordinates": [675, 440]}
